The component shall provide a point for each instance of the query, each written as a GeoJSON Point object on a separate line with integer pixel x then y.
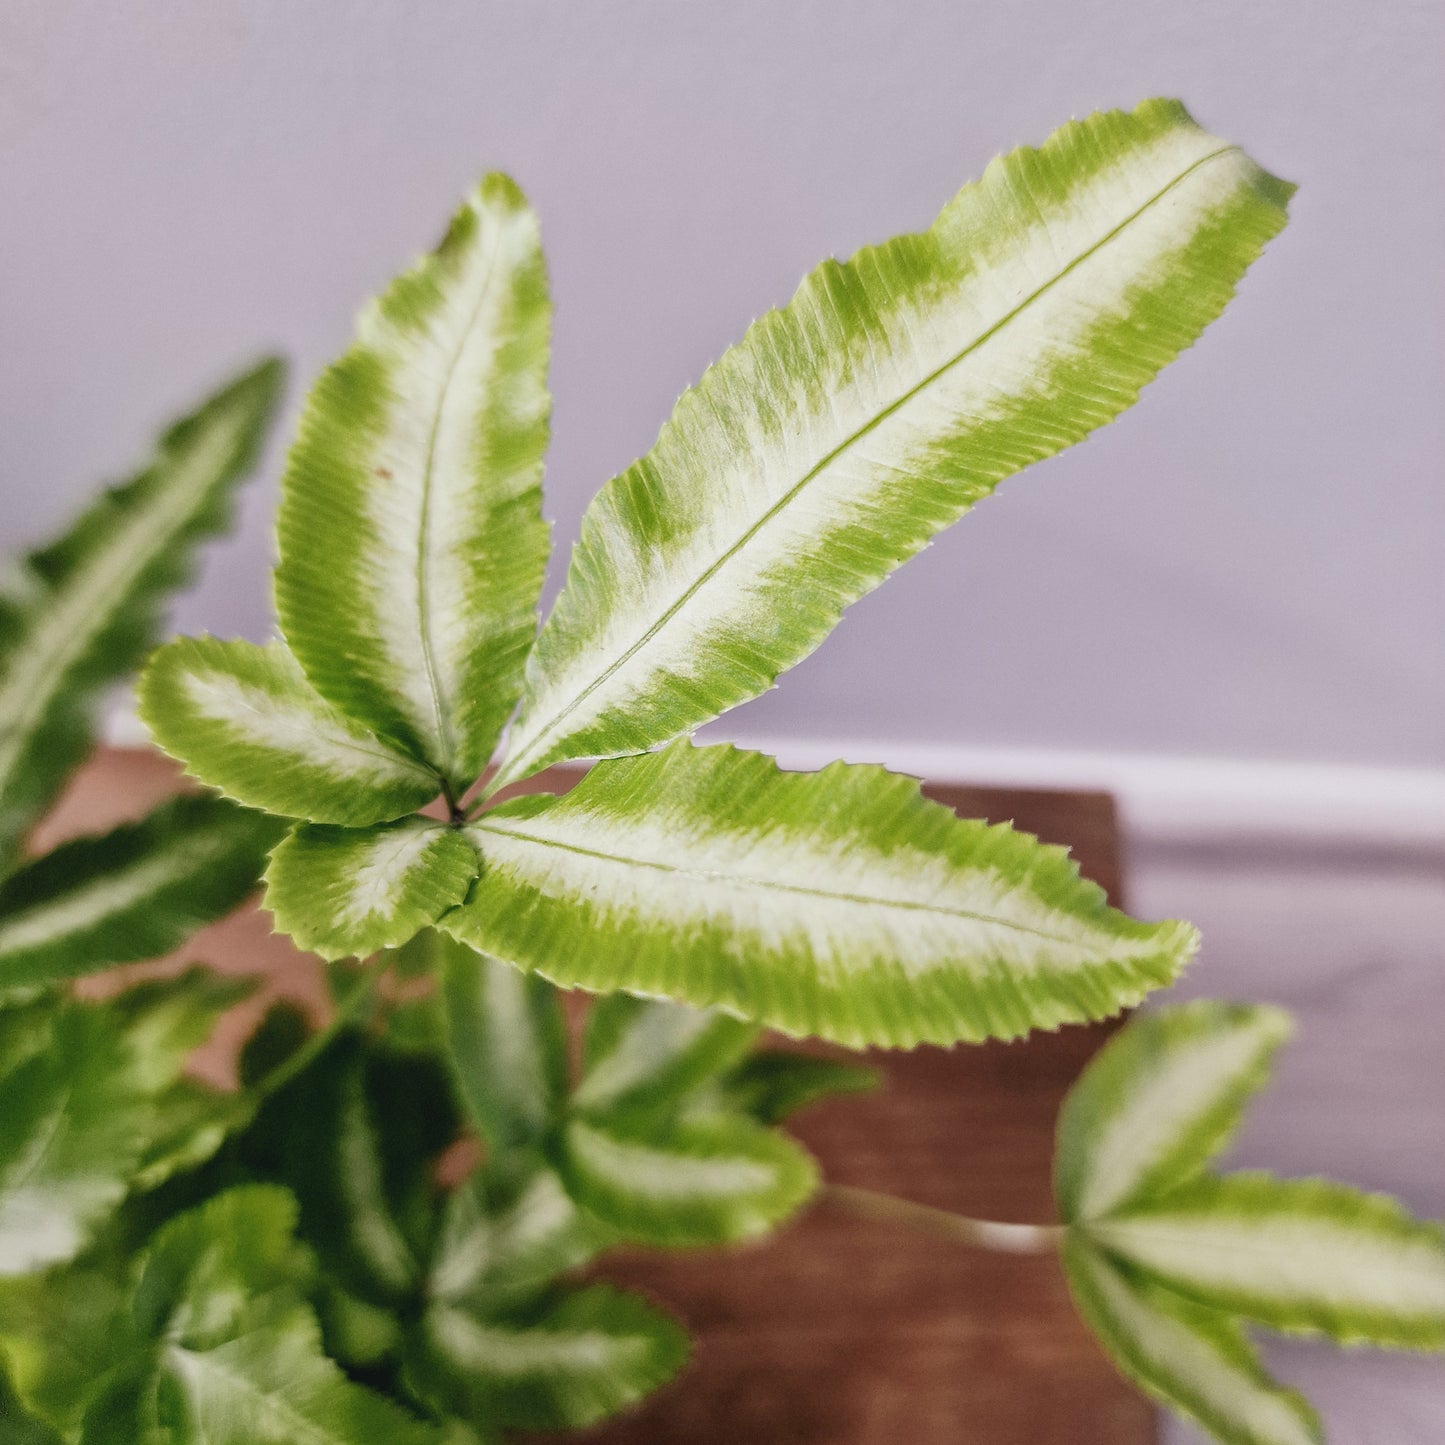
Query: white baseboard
{"type": "Point", "coordinates": [1164, 800]}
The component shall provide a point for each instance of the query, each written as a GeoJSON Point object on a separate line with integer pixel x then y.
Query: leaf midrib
{"type": "Point", "coordinates": [772, 885]}
{"type": "Point", "coordinates": [339, 734]}
{"type": "Point", "coordinates": [514, 769]}
{"type": "Point", "coordinates": [195, 1363]}
{"type": "Point", "coordinates": [424, 537]}
{"type": "Point", "coordinates": [84, 608]}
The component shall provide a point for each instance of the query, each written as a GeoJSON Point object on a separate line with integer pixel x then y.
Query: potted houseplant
{"type": "Point", "coordinates": [309, 1256]}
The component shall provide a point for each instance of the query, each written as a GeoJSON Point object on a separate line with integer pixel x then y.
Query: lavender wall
{"type": "Point", "coordinates": [1250, 565]}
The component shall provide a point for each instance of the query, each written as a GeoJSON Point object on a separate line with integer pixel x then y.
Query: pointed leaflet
{"type": "Point", "coordinates": [136, 892]}
{"type": "Point", "coordinates": [87, 1089]}
{"type": "Point", "coordinates": [642, 1052]}
{"type": "Point", "coordinates": [240, 1360]}
{"type": "Point", "coordinates": [1193, 1360]}
{"type": "Point", "coordinates": [81, 1084]}
{"type": "Point", "coordinates": [892, 393]}
{"type": "Point", "coordinates": [275, 1386]}
{"type": "Point", "coordinates": [839, 903]}
{"type": "Point", "coordinates": [82, 613]}
{"type": "Point", "coordinates": [506, 1234]}
{"type": "Point", "coordinates": [570, 1364]}
{"type": "Point", "coordinates": [506, 1043]}
{"type": "Point", "coordinates": [245, 720]}
{"type": "Point", "coordinates": [704, 1181]}
{"type": "Point", "coordinates": [343, 891]}
{"type": "Point", "coordinates": [75, 1125]}
{"type": "Point", "coordinates": [355, 1136]}
{"type": "Point", "coordinates": [59, 1332]}
{"type": "Point", "coordinates": [209, 1271]}
{"type": "Point", "coordinates": [411, 533]}
{"type": "Point", "coordinates": [1303, 1256]}
{"type": "Point", "coordinates": [1159, 1101]}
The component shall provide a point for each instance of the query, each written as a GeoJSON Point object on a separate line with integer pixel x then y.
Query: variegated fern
{"type": "Point", "coordinates": [288, 1261]}
{"type": "Point", "coordinates": [891, 394]}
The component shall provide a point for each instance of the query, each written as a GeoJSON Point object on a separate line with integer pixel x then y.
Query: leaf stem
{"type": "Point", "coordinates": [350, 1007]}
{"type": "Point", "coordinates": [981, 1233]}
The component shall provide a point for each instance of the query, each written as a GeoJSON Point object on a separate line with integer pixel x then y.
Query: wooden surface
{"type": "Point", "coordinates": [840, 1331]}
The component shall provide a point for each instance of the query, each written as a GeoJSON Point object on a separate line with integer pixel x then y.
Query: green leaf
{"type": "Point", "coordinates": [411, 533]}
{"type": "Point", "coordinates": [355, 1136]}
{"type": "Point", "coordinates": [77, 1121]}
{"type": "Point", "coordinates": [245, 720]}
{"type": "Point", "coordinates": [774, 1085]}
{"type": "Point", "coordinates": [209, 1273]}
{"type": "Point", "coordinates": [25, 1026]}
{"type": "Point", "coordinates": [888, 397]}
{"type": "Point", "coordinates": [1302, 1256]}
{"type": "Point", "coordinates": [343, 891]}
{"type": "Point", "coordinates": [1160, 1100]}
{"type": "Point", "coordinates": [506, 1234]}
{"type": "Point", "coordinates": [240, 1359]}
{"type": "Point", "coordinates": [136, 892]}
{"type": "Point", "coordinates": [191, 1122]}
{"type": "Point", "coordinates": [357, 1333]}
{"type": "Point", "coordinates": [701, 1181]}
{"type": "Point", "coordinates": [95, 1108]}
{"type": "Point", "coordinates": [275, 1386]}
{"type": "Point", "coordinates": [122, 1411]}
{"type": "Point", "coordinates": [167, 1019]}
{"type": "Point", "coordinates": [82, 613]}
{"type": "Point", "coordinates": [1193, 1360]}
{"type": "Point", "coordinates": [648, 1054]}
{"type": "Point", "coordinates": [506, 1043]}
{"type": "Point", "coordinates": [60, 1332]}
{"type": "Point", "coordinates": [839, 903]}
{"type": "Point", "coordinates": [459, 1432]}
{"type": "Point", "coordinates": [570, 1364]}
{"type": "Point", "coordinates": [18, 1426]}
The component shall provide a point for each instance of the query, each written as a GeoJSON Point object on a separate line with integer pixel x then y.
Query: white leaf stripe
{"type": "Point", "coordinates": [351, 891]}
{"type": "Point", "coordinates": [574, 1363]}
{"type": "Point", "coordinates": [75, 1126]}
{"type": "Point", "coordinates": [419, 459]}
{"type": "Point", "coordinates": [245, 720]}
{"type": "Point", "coordinates": [68, 622]}
{"type": "Point", "coordinates": [506, 1044]}
{"type": "Point", "coordinates": [100, 899]}
{"type": "Point", "coordinates": [91, 612]}
{"type": "Point", "coordinates": [276, 1386]}
{"type": "Point", "coordinates": [373, 1232]}
{"type": "Point", "coordinates": [133, 893]}
{"type": "Point", "coordinates": [647, 1050]}
{"type": "Point", "coordinates": [1159, 1101]}
{"type": "Point", "coordinates": [1192, 1360]}
{"type": "Point", "coordinates": [497, 1248]}
{"type": "Point", "coordinates": [1302, 1256]}
{"type": "Point", "coordinates": [499, 1350]}
{"type": "Point", "coordinates": [704, 1181]}
{"type": "Point", "coordinates": [891, 394]}
{"type": "Point", "coordinates": [839, 903]}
